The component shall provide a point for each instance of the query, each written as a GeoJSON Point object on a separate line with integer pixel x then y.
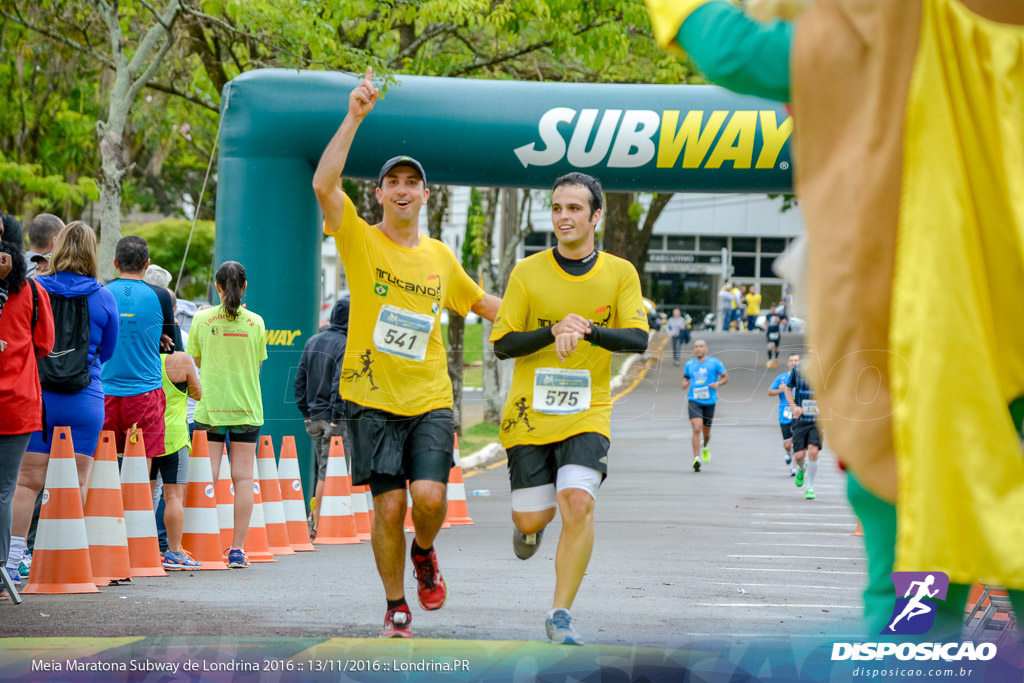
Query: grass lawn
{"type": "Point", "coordinates": [476, 437]}
{"type": "Point", "coordinates": [472, 354]}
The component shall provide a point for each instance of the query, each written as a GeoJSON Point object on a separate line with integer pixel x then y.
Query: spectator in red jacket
{"type": "Point", "coordinates": [26, 325]}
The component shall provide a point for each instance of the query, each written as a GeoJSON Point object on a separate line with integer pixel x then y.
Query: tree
{"type": "Point", "coordinates": [623, 235]}
{"type": "Point", "coordinates": [168, 240]}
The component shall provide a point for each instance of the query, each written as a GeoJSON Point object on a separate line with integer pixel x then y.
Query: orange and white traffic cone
{"type": "Point", "coordinates": [337, 524]}
{"type": "Point", "coordinates": [224, 492]}
{"type": "Point", "coordinates": [61, 562]}
{"type": "Point", "coordinates": [458, 509]}
{"type": "Point", "coordinates": [361, 512]}
{"type": "Point", "coordinates": [200, 531]}
{"type": "Point", "coordinates": [859, 531]}
{"type": "Point", "coordinates": [140, 520]}
{"type": "Point", "coordinates": [292, 499]}
{"type": "Point", "coordinates": [369, 505]}
{"type": "Point", "coordinates": [257, 548]}
{"type": "Point", "coordinates": [273, 508]}
{"type": "Point", "coordinates": [410, 526]}
{"type": "Point", "coordinates": [104, 517]}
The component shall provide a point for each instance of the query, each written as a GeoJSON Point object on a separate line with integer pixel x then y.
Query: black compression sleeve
{"type": "Point", "coordinates": [614, 339]}
{"type": "Point", "coordinates": [516, 344]}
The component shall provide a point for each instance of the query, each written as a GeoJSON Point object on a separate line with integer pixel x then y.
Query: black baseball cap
{"type": "Point", "coordinates": [400, 161]}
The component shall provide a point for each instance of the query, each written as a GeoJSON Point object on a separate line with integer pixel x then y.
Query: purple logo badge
{"type": "Point", "coordinates": [916, 593]}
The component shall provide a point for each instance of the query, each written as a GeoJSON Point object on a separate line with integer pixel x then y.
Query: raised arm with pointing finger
{"type": "Point", "coordinates": [327, 179]}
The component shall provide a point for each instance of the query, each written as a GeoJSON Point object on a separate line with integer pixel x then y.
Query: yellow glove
{"type": "Point", "coordinates": [666, 18]}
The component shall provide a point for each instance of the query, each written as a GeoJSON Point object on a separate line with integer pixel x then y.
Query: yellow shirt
{"type": "Point", "coordinates": [753, 304]}
{"type": "Point", "coordinates": [416, 283]}
{"type": "Point", "coordinates": [539, 294]}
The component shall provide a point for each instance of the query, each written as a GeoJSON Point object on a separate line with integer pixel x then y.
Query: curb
{"type": "Point", "coordinates": [493, 451]}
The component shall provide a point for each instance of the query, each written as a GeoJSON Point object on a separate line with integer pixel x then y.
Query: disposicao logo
{"type": "Point", "coordinates": [913, 614]}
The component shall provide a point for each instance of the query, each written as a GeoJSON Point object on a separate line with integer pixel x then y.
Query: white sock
{"type": "Point", "coordinates": [17, 552]}
{"type": "Point", "coordinates": [812, 470]}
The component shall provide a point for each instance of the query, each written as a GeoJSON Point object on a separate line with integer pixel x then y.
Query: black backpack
{"type": "Point", "coordinates": [66, 370]}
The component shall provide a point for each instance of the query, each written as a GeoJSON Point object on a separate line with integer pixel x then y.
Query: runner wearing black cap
{"type": "Point", "coordinates": [394, 376]}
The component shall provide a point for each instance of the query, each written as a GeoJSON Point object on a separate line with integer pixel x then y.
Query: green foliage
{"type": "Point", "coordinates": [473, 244]}
{"type": "Point", "coordinates": [167, 240]}
{"type": "Point", "coordinates": [43, 191]}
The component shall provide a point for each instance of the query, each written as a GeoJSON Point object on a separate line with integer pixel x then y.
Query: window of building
{"type": "Point", "coordinates": [773, 245]}
{"type": "Point", "coordinates": [535, 242]}
{"type": "Point", "coordinates": [766, 266]}
{"type": "Point", "coordinates": [744, 266]}
{"type": "Point", "coordinates": [682, 242]}
{"type": "Point", "coordinates": [536, 239]}
{"type": "Point", "coordinates": [711, 243]}
{"type": "Point", "coordinates": [744, 244]}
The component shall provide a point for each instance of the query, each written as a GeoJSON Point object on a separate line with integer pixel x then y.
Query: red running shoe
{"type": "Point", "coordinates": [431, 589]}
{"type": "Point", "coordinates": [396, 623]}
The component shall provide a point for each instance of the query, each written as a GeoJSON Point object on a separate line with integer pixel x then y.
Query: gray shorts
{"type": "Point", "coordinates": [320, 433]}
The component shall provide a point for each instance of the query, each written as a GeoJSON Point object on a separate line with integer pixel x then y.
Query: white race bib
{"type": "Point", "coordinates": [773, 336]}
{"type": "Point", "coordinates": [402, 333]}
{"type": "Point", "coordinates": [810, 408]}
{"type": "Point", "coordinates": [787, 413]}
{"type": "Point", "coordinates": [560, 392]}
{"type": "Point", "coordinates": [701, 393]}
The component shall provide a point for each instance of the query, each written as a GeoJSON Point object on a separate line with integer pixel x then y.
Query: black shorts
{"type": "Point", "coordinates": [172, 467]}
{"type": "Point", "coordinates": [236, 433]}
{"type": "Point", "coordinates": [701, 411]}
{"type": "Point", "coordinates": [532, 465]}
{"type": "Point", "coordinates": [787, 430]}
{"type": "Point", "coordinates": [805, 434]}
{"type": "Point", "coordinates": [389, 449]}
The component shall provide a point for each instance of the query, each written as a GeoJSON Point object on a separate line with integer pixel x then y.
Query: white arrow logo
{"type": "Point", "coordinates": [554, 148]}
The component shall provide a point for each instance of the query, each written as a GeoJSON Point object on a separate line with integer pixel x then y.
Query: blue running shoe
{"type": "Point", "coordinates": [13, 574]}
{"type": "Point", "coordinates": [237, 559]}
{"type": "Point", "coordinates": [180, 561]}
{"type": "Point", "coordinates": [26, 565]}
{"type": "Point", "coordinates": [560, 630]}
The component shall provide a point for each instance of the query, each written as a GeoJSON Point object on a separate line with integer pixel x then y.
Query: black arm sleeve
{"type": "Point", "coordinates": [613, 339]}
{"type": "Point", "coordinates": [516, 344]}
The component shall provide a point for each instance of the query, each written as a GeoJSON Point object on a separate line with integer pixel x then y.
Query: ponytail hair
{"type": "Point", "coordinates": [231, 279]}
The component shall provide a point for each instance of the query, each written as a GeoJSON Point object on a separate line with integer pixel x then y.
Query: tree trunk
{"type": "Point", "coordinates": [456, 363]}
{"type": "Point", "coordinates": [130, 77]}
{"type": "Point", "coordinates": [623, 235]}
{"type": "Point", "coordinates": [440, 196]}
{"type": "Point", "coordinates": [111, 134]}
{"type": "Point", "coordinates": [493, 399]}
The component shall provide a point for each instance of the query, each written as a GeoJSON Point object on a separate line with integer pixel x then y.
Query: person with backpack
{"type": "Point", "coordinates": [85, 335]}
{"type": "Point", "coordinates": [27, 327]}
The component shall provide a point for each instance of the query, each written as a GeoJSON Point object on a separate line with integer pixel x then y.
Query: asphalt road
{"type": "Point", "coordinates": [680, 556]}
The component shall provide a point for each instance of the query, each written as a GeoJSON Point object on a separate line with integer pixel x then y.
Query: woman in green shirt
{"type": "Point", "coordinates": [229, 343]}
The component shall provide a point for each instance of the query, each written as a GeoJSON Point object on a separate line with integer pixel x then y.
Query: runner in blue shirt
{"type": "Point", "coordinates": [806, 437]}
{"type": "Point", "coordinates": [132, 378]}
{"type": "Point", "coordinates": [702, 377]}
{"type": "Point", "coordinates": [785, 411]}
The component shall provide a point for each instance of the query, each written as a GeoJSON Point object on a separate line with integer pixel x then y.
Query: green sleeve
{"type": "Point", "coordinates": [737, 52]}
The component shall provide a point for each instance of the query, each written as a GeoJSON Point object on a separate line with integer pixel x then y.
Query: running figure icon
{"type": "Point", "coordinates": [916, 607]}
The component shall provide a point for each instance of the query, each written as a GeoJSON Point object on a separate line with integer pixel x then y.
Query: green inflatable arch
{"type": "Point", "coordinates": [275, 123]}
